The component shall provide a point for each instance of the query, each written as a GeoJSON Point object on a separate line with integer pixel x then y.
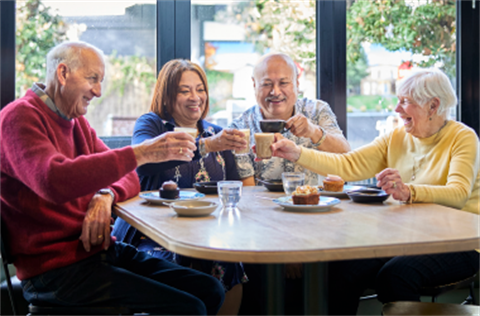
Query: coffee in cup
{"type": "Point", "coordinates": [188, 130]}
{"type": "Point", "coordinates": [245, 151]}
{"type": "Point", "coordinates": [263, 141]}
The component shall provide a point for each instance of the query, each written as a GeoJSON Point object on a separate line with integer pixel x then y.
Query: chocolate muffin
{"type": "Point", "coordinates": [169, 190]}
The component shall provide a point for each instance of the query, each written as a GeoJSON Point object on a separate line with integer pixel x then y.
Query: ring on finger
{"type": "Point", "coordinates": [181, 150]}
{"type": "Point", "coordinates": [100, 236]}
{"type": "Point", "coordinates": [394, 184]}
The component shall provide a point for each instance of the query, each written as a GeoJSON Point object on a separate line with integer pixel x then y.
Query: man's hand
{"type": "Point", "coordinates": [96, 225]}
{"type": "Point", "coordinates": [301, 126]}
{"type": "Point", "coordinates": [227, 139]}
{"type": "Point", "coordinates": [165, 147]}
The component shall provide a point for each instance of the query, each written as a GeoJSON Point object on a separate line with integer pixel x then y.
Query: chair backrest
{"type": "Point", "coordinates": [116, 141]}
{"type": "Point", "coordinates": [6, 259]}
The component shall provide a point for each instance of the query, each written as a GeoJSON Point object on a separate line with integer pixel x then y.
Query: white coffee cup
{"type": "Point", "coordinates": [188, 130]}
{"type": "Point", "coordinates": [247, 139]}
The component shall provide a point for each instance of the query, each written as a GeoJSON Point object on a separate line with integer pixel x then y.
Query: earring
{"type": "Point", "coordinates": [430, 118]}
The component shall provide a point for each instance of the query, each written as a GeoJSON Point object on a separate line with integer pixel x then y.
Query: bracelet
{"type": "Point", "coordinates": [202, 148]}
{"type": "Point", "coordinates": [322, 139]}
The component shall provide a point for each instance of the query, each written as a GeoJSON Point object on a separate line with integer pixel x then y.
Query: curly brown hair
{"type": "Point", "coordinates": [167, 86]}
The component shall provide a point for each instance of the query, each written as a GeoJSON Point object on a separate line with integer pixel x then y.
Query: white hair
{"type": "Point", "coordinates": [70, 54]}
{"type": "Point", "coordinates": [288, 60]}
{"type": "Point", "coordinates": [425, 84]}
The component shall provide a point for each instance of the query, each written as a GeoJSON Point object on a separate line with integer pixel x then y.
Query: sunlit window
{"type": "Point", "coordinates": [228, 37]}
{"type": "Point", "coordinates": [384, 43]}
{"type": "Point", "coordinates": [124, 30]}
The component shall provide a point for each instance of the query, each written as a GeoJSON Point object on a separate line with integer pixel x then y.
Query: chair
{"type": "Point", "coordinates": [53, 310]}
{"type": "Point", "coordinates": [436, 291]}
{"type": "Point", "coordinates": [424, 308]}
{"type": "Point", "coordinates": [116, 141]}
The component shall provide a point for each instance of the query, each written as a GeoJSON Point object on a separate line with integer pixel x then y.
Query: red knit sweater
{"type": "Point", "coordinates": [50, 170]}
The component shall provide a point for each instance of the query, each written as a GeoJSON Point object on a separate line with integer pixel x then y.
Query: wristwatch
{"type": "Point", "coordinates": [202, 148]}
{"type": "Point", "coordinates": [107, 191]}
{"type": "Point", "coordinates": [322, 139]}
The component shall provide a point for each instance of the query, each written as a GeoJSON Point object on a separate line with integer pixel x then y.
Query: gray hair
{"type": "Point", "coordinates": [70, 54]}
{"type": "Point", "coordinates": [288, 60]}
{"type": "Point", "coordinates": [425, 84]}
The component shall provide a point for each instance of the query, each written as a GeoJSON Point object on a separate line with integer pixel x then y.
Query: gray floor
{"type": "Point", "coordinates": [374, 307]}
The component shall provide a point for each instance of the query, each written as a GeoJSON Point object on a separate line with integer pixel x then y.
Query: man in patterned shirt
{"type": "Point", "coordinates": [312, 123]}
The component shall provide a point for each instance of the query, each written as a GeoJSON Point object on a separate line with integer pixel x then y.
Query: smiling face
{"type": "Point", "coordinates": [191, 100]}
{"type": "Point", "coordinates": [79, 86]}
{"type": "Point", "coordinates": [415, 117]}
{"type": "Point", "coordinates": [276, 88]}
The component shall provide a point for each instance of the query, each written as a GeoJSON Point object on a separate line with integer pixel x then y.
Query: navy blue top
{"type": "Point", "coordinates": [218, 166]}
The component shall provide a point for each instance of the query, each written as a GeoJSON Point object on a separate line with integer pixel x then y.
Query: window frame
{"type": "Point", "coordinates": [173, 27]}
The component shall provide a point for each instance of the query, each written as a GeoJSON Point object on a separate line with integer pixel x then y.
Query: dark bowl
{"type": "Point", "coordinates": [206, 187]}
{"type": "Point", "coordinates": [272, 185]}
{"type": "Point", "coordinates": [368, 196]}
{"type": "Point", "coordinates": [272, 126]}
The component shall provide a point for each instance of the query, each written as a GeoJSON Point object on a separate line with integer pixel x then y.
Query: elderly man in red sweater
{"type": "Point", "coordinates": [58, 184]}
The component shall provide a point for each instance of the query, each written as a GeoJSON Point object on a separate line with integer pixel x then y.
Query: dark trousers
{"type": "Point", "coordinates": [394, 279]}
{"type": "Point", "coordinates": [123, 276]}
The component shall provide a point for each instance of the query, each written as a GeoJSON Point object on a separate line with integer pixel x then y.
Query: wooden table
{"type": "Point", "coordinates": [260, 231]}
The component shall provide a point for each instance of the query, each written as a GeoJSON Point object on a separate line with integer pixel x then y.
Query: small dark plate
{"type": "Point", "coordinates": [368, 196]}
{"type": "Point", "coordinates": [206, 187]}
{"type": "Point", "coordinates": [272, 185]}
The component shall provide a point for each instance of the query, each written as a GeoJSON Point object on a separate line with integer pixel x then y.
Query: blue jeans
{"type": "Point", "coordinates": [123, 276]}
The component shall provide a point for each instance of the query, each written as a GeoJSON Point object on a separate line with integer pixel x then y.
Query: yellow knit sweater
{"type": "Point", "coordinates": [440, 169]}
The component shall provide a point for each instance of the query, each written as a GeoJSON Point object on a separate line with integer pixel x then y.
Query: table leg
{"type": "Point", "coordinates": [274, 285]}
{"type": "Point", "coordinates": [315, 280]}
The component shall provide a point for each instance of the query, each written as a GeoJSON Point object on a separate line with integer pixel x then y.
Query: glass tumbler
{"type": "Point", "coordinates": [291, 180]}
{"type": "Point", "coordinates": [229, 193]}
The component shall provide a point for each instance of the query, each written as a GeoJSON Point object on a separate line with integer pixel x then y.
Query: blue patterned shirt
{"type": "Point", "coordinates": [317, 111]}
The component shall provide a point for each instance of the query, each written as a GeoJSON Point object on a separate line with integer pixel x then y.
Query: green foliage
{"type": "Point", "coordinates": [130, 69]}
{"type": "Point", "coordinates": [217, 79]}
{"type": "Point", "coordinates": [284, 26]}
{"type": "Point", "coordinates": [214, 77]}
{"type": "Point", "coordinates": [38, 30]}
{"type": "Point", "coordinates": [356, 71]}
{"type": "Point", "coordinates": [370, 103]}
{"type": "Point", "coordinates": [427, 29]}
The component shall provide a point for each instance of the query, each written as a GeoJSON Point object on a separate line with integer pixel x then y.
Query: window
{"type": "Point", "coordinates": [228, 37]}
{"type": "Point", "coordinates": [124, 30]}
{"type": "Point", "coordinates": [385, 43]}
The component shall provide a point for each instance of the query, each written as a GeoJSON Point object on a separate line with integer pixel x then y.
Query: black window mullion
{"type": "Point", "coordinates": [173, 30]}
{"type": "Point", "coordinates": [182, 29]}
{"type": "Point", "coordinates": [165, 32]}
{"type": "Point", "coordinates": [468, 65]}
{"type": "Point", "coordinates": [7, 52]}
{"type": "Point", "coordinates": [332, 57]}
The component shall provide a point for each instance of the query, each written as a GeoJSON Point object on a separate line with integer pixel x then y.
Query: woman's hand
{"type": "Point", "coordinates": [285, 148]}
{"type": "Point", "coordinates": [391, 182]}
{"type": "Point", "coordinates": [227, 139]}
{"type": "Point", "coordinates": [165, 147]}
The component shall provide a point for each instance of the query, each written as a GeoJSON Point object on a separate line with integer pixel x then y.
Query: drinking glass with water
{"type": "Point", "coordinates": [291, 180]}
{"type": "Point", "coordinates": [229, 193]}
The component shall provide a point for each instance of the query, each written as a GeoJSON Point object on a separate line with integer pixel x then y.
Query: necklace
{"type": "Point", "coordinates": [415, 169]}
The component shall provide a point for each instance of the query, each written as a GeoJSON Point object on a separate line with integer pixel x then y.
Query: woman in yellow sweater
{"type": "Point", "coordinates": [428, 159]}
